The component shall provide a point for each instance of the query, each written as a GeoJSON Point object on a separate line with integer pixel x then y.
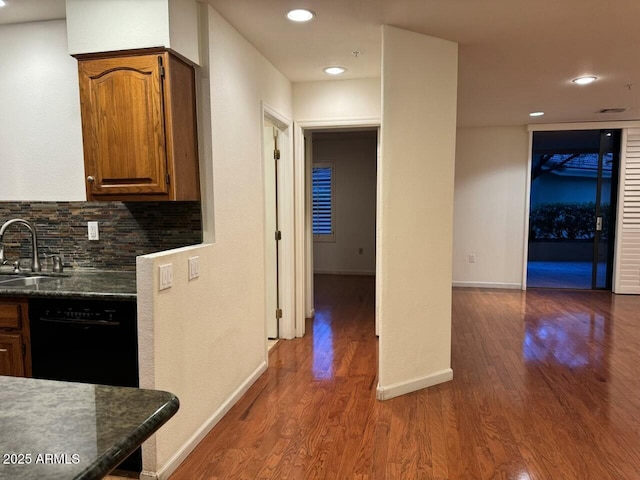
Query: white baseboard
{"type": "Point", "coordinates": [512, 286]}
{"type": "Point", "coordinates": [343, 272]}
{"type": "Point", "coordinates": [183, 452]}
{"type": "Point", "coordinates": [401, 388]}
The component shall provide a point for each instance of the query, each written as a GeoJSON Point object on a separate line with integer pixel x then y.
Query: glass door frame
{"type": "Point", "coordinates": [616, 138]}
{"type": "Point", "coordinates": [614, 148]}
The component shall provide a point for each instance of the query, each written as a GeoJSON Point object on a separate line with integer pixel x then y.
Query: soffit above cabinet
{"type": "Point", "coordinates": [95, 26]}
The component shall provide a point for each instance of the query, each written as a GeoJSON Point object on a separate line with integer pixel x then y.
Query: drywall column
{"type": "Point", "coordinates": [419, 84]}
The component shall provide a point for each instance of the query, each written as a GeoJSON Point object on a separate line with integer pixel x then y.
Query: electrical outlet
{"type": "Point", "coordinates": [166, 276]}
{"type": "Point", "coordinates": [194, 267]}
{"type": "Point", "coordinates": [472, 258]}
{"type": "Point", "coordinates": [92, 229]}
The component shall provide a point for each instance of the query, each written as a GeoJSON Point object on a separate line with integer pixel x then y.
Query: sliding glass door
{"type": "Point", "coordinates": [606, 202]}
{"type": "Point", "coordinates": [573, 200]}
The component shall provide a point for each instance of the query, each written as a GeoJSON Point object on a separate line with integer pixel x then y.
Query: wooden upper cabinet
{"type": "Point", "coordinates": [139, 127]}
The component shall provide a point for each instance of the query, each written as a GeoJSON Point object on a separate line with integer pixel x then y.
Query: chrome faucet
{"type": "Point", "coordinates": [35, 262]}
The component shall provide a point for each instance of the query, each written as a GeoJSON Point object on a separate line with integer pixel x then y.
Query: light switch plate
{"type": "Point", "coordinates": [194, 267]}
{"type": "Point", "coordinates": [92, 230]}
{"type": "Point", "coordinates": [166, 276]}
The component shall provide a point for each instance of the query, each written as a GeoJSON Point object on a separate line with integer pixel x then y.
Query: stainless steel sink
{"type": "Point", "coordinates": [25, 281]}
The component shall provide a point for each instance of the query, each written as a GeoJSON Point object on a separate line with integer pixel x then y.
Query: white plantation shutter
{"type": "Point", "coordinates": [322, 195]}
{"type": "Point", "coordinates": [627, 274]}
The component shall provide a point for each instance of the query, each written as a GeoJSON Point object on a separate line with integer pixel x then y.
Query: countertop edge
{"type": "Point", "coordinates": [25, 292]}
{"type": "Point", "coordinates": [81, 284]}
{"type": "Point", "coordinates": [122, 449]}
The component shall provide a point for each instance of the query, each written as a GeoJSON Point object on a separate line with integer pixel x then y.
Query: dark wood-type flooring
{"type": "Point", "coordinates": [546, 386]}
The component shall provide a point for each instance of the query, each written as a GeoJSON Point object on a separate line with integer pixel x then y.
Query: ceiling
{"type": "Point", "coordinates": [20, 11]}
{"type": "Point", "coordinates": [515, 57]}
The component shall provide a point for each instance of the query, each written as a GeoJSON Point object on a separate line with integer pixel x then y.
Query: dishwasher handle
{"type": "Point", "coordinates": [80, 323]}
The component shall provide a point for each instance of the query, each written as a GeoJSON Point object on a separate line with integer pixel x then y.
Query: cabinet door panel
{"type": "Point", "coordinates": [11, 361]}
{"type": "Point", "coordinates": [10, 316]}
{"type": "Point", "coordinates": [123, 125]}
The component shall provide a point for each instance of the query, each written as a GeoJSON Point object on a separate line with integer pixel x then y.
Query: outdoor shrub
{"type": "Point", "coordinates": [570, 221]}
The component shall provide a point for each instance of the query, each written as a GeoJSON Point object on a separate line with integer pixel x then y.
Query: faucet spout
{"type": "Point", "coordinates": [35, 261]}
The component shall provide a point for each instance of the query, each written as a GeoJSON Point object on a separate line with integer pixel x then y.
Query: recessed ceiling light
{"type": "Point", "coordinates": [584, 80]}
{"type": "Point", "coordinates": [2, 4]}
{"type": "Point", "coordinates": [536, 114]}
{"type": "Point", "coordinates": [335, 70]}
{"type": "Point", "coordinates": [300, 15]}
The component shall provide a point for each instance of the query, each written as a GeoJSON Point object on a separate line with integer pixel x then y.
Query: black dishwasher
{"type": "Point", "coordinates": [89, 341]}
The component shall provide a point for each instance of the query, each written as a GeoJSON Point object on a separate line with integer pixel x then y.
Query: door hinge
{"type": "Point", "coordinates": [161, 66]}
{"type": "Point", "coordinates": [167, 179]}
{"type": "Point", "coordinates": [278, 313]}
{"type": "Point", "coordinates": [276, 154]}
{"type": "Point", "coordinates": [278, 235]}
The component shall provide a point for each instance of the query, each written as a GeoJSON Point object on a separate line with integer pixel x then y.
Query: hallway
{"type": "Point", "coordinates": [545, 387]}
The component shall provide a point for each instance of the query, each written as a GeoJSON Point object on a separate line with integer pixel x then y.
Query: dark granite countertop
{"type": "Point", "coordinates": [62, 431]}
{"type": "Point", "coordinates": [81, 283]}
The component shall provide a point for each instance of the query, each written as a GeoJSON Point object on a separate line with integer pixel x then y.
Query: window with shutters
{"type": "Point", "coordinates": [323, 205]}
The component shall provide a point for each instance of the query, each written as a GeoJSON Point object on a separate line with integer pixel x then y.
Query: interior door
{"type": "Point", "coordinates": [270, 136]}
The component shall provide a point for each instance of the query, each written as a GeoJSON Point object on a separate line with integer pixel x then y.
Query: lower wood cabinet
{"type": "Point", "coordinates": [11, 355]}
{"type": "Point", "coordinates": [15, 347]}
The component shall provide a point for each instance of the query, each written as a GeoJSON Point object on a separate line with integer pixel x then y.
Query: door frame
{"type": "Point", "coordinates": [613, 207]}
{"type": "Point", "coordinates": [302, 212]}
{"type": "Point", "coordinates": [622, 125]}
{"type": "Point", "coordinates": [270, 134]}
{"type": "Point", "coordinates": [286, 265]}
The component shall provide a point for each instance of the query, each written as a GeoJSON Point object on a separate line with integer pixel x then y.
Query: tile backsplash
{"type": "Point", "coordinates": [125, 229]}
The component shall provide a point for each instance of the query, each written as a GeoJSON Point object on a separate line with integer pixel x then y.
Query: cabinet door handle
{"type": "Point", "coordinates": [90, 179]}
{"type": "Point", "coordinates": [3, 350]}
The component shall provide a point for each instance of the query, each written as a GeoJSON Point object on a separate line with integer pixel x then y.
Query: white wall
{"type": "Point", "coordinates": [490, 183]}
{"type": "Point", "coordinates": [353, 155]}
{"type": "Point", "coordinates": [419, 83]}
{"type": "Point", "coordinates": [337, 99]}
{"type": "Point", "coordinates": [40, 127]}
{"type": "Point", "coordinates": [205, 340]}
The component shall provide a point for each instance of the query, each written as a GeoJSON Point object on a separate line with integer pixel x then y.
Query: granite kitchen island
{"type": "Point", "coordinates": [62, 431]}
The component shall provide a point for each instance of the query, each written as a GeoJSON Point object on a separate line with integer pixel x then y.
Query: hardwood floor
{"type": "Point", "coordinates": [545, 387]}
